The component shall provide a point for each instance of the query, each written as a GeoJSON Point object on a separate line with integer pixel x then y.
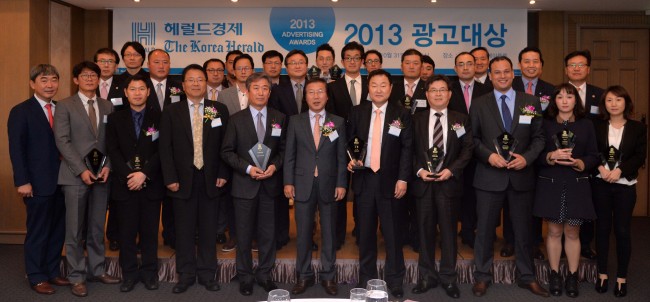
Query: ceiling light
{"type": "Point", "coordinates": [532, 1]}
{"type": "Point", "coordinates": [335, 0]}
{"type": "Point", "coordinates": [136, 0]}
{"type": "Point", "coordinates": [233, 1]}
{"type": "Point", "coordinates": [433, 1]}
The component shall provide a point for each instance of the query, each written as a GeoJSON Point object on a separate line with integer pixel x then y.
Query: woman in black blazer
{"type": "Point", "coordinates": [563, 194]}
{"type": "Point", "coordinates": [614, 187]}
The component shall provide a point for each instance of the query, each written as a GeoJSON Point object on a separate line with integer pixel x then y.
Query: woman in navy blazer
{"type": "Point", "coordinates": [563, 195]}
{"type": "Point", "coordinates": [615, 189]}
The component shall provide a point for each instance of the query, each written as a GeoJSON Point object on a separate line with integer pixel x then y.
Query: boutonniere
{"type": "Point", "coordinates": [151, 131]}
{"type": "Point", "coordinates": [275, 125]}
{"type": "Point", "coordinates": [529, 110]}
{"type": "Point", "coordinates": [544, 99]}
{"type": "Point", "coordinates": [210, 113]}
{"type": "Point", "coordinates": [327, 128]}
{"type": "Point", "coordinates": [397, 124]}
{"type": "Point", "coordinates": [456, 126]}
{"type": "Point", "coordinates": [175, 91]}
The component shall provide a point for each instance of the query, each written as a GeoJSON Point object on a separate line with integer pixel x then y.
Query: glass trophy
{"type": "Point", "coordinates": [313, 72]}
{"type": "Point", "coordinates": [135, 164]}
{"type": "Point", "coordinates": [505, 145]}
{"type": "Point", "coordinates": [95, 161]}
{"type": "Point", "coordinates": [565, 139]}
{"type": "Point", "coordinates": [260, 154]}
{"type": "Point", "coordinates": [335, 72]}
{"type": "Point", "coordinates": [435, 156]}
{"type": "Point", "coordinates": [357, 152]}
{"type": "Point", "coordinates": [613, 157]}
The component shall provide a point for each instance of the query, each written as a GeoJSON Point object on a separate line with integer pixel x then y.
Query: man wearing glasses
{"type": "Point", "coordinates": [372, 60]}
{"type": "Point", "coordinates": [272, 60]}
{"type": "Point", "coordinates": [215, 69]}
{"type": "Point", "coordinates": [236, 96]}
{"type": "Point", "coordinates": [133, 55]}
{"type": "Point", "coordinates": [325, 60]}
{"type": "Point", "coordinates": [109, 86]}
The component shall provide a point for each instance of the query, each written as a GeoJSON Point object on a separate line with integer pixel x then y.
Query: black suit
{"type": "Point", "coordinates": [375, 192]}
{"type": "Point", "coordinates": [398, 94]}
{"type": "Point", "coordinates": [593, 96]}
{"type": "Point", "coordinates": [438, 202]}
{"type": "Point", "coordinates": [541, 89]}
{"type": "Point", "coordinates": [35, 160]}
{"type": "Point", "coordinates": [152, 100]}
{"type": "Point", "coordinates": [196, 201]}
{"type": "Point", "coordinates": [139, 210]}
{"type": "Point", "coordinates": [457, 101]}
{"type": "Point", "coordinates": [254, 200]}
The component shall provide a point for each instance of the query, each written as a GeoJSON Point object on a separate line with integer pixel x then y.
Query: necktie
{"type": "Point", "coordinates": [104, 92]}
{"type": "Point", "coordinates": [299, 96]}
{"type": "Point", "coordinates": [466, 95]}
{"type": "Point", "coordinates": [197, 137]}
{"type": "Point", "coordinates": [316, 136]}
{"type": "Point", "coordinates": [375, 154]}
{"type": "Point", "coordinates": [50, 117]}
{"type": "Point", "coordinates": [260, 128]}
{"type": "Point", "coordinates": [138, 123]}
{"type": "Point", "coordinates": [353, 92]}
{"type": "Point", "coordinates": [92, 116]}
{"type": "Point", "coordinates": [410, 86]}
{"type": "Point", "coordinates": [213, 94]}
{"type": "Point", "coordinates": [505, 113]}
{"type": "Point", "coordinates": [437, 131]}
{"type": "Point", "coordinates": [161, 96]}
{"type": "Point", "coordinates": [529, 88]}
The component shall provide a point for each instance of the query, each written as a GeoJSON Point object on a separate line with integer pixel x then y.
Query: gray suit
{"type": "Point", "coordinates": [74, 139]}
{"type": "Point", "coordinates": [230, 98]}
{"type": "Point", "coordinates": [301, 159]}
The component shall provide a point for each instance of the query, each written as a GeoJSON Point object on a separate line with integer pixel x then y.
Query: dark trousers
{"type": "Point", "coordinates": [341, 221]}
{"type": "Point", "coordinates": [468, 205]}
{"type": "Point", "coordinates": [138, 217]}
{"type": "Point", "coordinates": [196, 215]}
{"type": "Point", "coordinates": [408, 222]}
{"type": "Point", "coordinates": [259, 212]}
{"type": "Point", "coordinates": [168, 221]}
{"type": "Point", "coordinates": [614, 205]}
{"type": "Point", "coordinates": [45, 236]}
{"type": "Point", "coordinates": [281, 220]}
{"type": "Point", "coordinates": [112, 229]}
{"type": "Point", "coordinates": [372, 205]}
{"type": "Point", "coordinates": [489, 206]}
{"type": "Point", "coordinates": [435, 208]}
{"type": "Point", "coordinates": [509, 234]}
{"type": "Point", "coordinates": [304, 215]}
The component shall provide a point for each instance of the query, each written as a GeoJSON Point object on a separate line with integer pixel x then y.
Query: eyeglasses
{"type": "Point", "coordinates": [352, 59]}
{"type": "Point", "coordinates": [212, 70]}
{"type": "Point", "coordinates": [132, 55]}
{"type": "Point", "coordinates": [328, 59]}
{"type": "Point", "coordinates": [375, 61]}
{"type": "Point", "coordinates": [315, 92]}
{"type": "Point", "coordinates": [108, 62]}
{"type": "Point", "coordinates": [273, 63]}
{"type": "Point", "coordinates": [579, 65]}
{"type": "Point", "coordinates": [463, 64]}
{"type": "Point", "coordinates": [244, 68]}
{"type": "Point", "coordinates": [434, 91]}
{"type": "Point", "coordinates": [195, 81]}
{"type": "Point", "coordinates": [88, 76]}
{"type": "Point", "coordinates": [294, 63]}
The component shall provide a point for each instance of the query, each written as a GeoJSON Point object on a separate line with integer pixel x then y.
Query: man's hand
{"type": "Point", "coordinates": [400, 189]}
{"type": "Point", "coordinates": [497, 161]}
{"type": "Point", "coordinates": [136, 180]}
{"type": "Point", "coordinates": [87, 177]}
{"type": "Point", "coordinates": [25, 190]}
{"type": "Point", "coordinates": [443, 175]}
{"type": "Point", "coordinates": [518, 162]}
{"type": "Point", "coordinates": [289, 191]}
{"type": "Point", "coordinates": [425, 175]}
{"type": "Point", "coordinates": [339, 194]}
{"type": "Point", "coordinates": [354, 163]}
{"type": "Point", "coordinates": [221, 182]}
{"type": "Point", "coordinates": [104, 174]}
{"type": "Point", "coordinates": [174, 187]}
{"type": "Point", "coordinates": [255, 173]}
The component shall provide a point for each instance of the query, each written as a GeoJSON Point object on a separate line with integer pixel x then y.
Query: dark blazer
{"type": "Point", "coordinates": [176, 149]}
{"type": "Point", "coordinates": [459, 151]}
{"type": "Point", "coordinates": [152, 100]}
{"type": "Point", "coordinates": [457, 101]}
{"type": "Point", "coordinates": [241, 137]}
{"type": "Point", "coordinates": [339, 101]}
{"type": "Point", "coordinates": [488, 83]}
{"type": "Point", "coordinates": [115, 91]}
{"type": "Point", "coordinates": [283, 99]}
{"type": "Point", "coordinates": [302, 157]}
{"type": "Point", "coordinates": [487, 125]}
{"type": "Point", "coordinates": [553, 179]}
{"type": "Point", "coordinates": [123, 145]}
{"type": "Point", "coordinates": [398, 94]}
{"type": "Point", "coordinates": [634, 145]}
{"type": "Point", "coordinates": [541, 89]}
{"type": "Point", "coordinates": [32, 149]}
{"type": "Point", "coordinates": [396, 152]}
{"type": "Point", "coordinates": [593, 96]}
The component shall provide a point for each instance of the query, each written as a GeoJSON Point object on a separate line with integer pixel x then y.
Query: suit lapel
{"type": "Point", "coordinates": [494, 110]}
{"type": "Point", "coordinates": [365, 121]}
{"type": "Point", "coordinates": [390, 116]}
{"type": "Point", "coordinates": [81, 110]}
{"type": "Point", "coordinates": [306, 125]}
{"type": "Point", "coordinates": [519, 103]}
{"type": "Point", "coordinates": [184, 116]}
{"type": "Point", "coordinates": [37, 110]}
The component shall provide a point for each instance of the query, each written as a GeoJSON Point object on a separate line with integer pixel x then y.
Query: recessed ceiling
{"type": "Point", "coordinates": [549, 5]}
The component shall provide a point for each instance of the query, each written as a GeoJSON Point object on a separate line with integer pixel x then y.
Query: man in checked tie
{"type": "Point", "coordinates": [498, 181]}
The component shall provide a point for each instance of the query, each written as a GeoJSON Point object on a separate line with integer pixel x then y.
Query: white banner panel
{"type": "Point", "coordinates": [197, 34]}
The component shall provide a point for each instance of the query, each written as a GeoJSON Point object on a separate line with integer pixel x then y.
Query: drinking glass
{"type": "Point", "coordinates": [358, 294]}
{"type": "Point", "coordinates": [376, 296]}
{"type": "Point", "coordinates": [377, 284]}
{"type": "Point", "coordinates": [279, 295]}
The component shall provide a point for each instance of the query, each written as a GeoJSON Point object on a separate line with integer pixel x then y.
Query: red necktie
{"type": "Point", "coordinates": [50, 117]}
{"type": "Point", "coordinates": [529, 88]}
{"type": "Point", "coordinates": [466, 95]}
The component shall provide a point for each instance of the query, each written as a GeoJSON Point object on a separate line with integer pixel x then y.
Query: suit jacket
{"type": "Point", "coordinates": [398, 94]}
{"type": "Point", "coordinates": [283, 99]}
{"type": "Point", "coordinates": [457, 101]}
{"type": "Point", "coordinates": [459, 151]}
{"type": "Point", "coordinates": [339, 101]}
{"type": "Point", "coordinates": [114, 92]}
{"type": "Point", "coordinates": [301, 158]}
{"type": "Point", "coordinates": [541, 89]}
{"type": "Point", "coordinates": [241, 137]}
{"type": "Point", "coordinates": [487, 125]}
{"type": "Point", "coordinates": [396, 151]}
{"type": "Point", "coordinates": [593, 95]}
{"type": "Point", "coordinates": [230, 98]}
{"type": "Point", "coordinates": [75, 138]}
{"type": "Point", "coordinates": [123, 145]}
{"type": "Point", "coordinates": [152, 100]}
{"type": "Point", "coordinates": [633, 147]}
{"type": "Point", "coordinates": [32, 149]}
{"type": "Point", "coordinates": [488, 83]}
{"type": "Point", "coordinates": [176, 148]}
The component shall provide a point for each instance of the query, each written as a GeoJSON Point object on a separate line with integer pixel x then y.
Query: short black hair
{"type": "Point", "coordinates": [76, 70]}
{"type": "Point", "coordinates": [107, 51]}
{"type": "Point", "coordinates": [380, 72]}
{"type": "Point", "coordinates": [410, 52]}
{"type": "Point", "coordinates": [244, 57]}
{"type": "Point", "coordinates": [137, 47]}
{"type": "Point", "coordinates": [316, 80]}
{"type": "Point", "coordinates": [480, 48]}
{"type": "Point", "coordinates": [326, 47]}
{"type": "Point", "coordinates": [157, 50]}
{"type": "Point", "coordinates": [234, 52]}
{"type": "Point", "coordinates": [376, 52]}
{"type": "Point", "coordinates": [272, 54]}
{"type": "Point", "coordinates": [193, 67]}
{"type": "Point", "coordinates": [585, 53]}
{"type": "Point", "coordinates": [463, 53]}
{"type": "Point", "coordinates": [353, 45]}
{"type": "Point", "coordinates": [135, 78]}
{"type": "Point", "coordinates": [531, 49]}
{"type": "Point", "coordinates": [294, 52]}
{"type": "Point", "coordinates": [208, 61]}
{"type": "Point", "coordinates": [618, 91]}
{"type": "Point", "coordinates": [552, 110]}
{"type": "Point", "coordinates": [428, 60]}
{"type": "Point", "coordinates": [500, 58]}
{"type": "Point", "coordinates": [436, 78]}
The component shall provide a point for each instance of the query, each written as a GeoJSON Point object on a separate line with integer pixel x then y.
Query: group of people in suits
{"type": "Point", "coordinates": [235, 147]}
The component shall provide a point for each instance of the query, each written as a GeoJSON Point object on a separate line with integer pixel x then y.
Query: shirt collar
{"type": "Point", "coordinates": [349, 78]}
{"type": "Point", "coordinates": [293, 83]}
{"type": "Point", "coordinates": [313, 114]}
{"type": "Point", "coordinates": [155, 83]}
{"type": "Point", "coordinates": [510, 94]}
{"type": "Point", "coordinates": [42, 102]}
{"type": "Point", "coordinates": [382, 108]}
{"type": "Point", "coordinates": [432, 112]}
{"type": "Point", "coordinates": [84, 98]}
{"type": "Point", "coordinates": [108, 82]}
{"type": "Point", "coordinates": [471, 83]}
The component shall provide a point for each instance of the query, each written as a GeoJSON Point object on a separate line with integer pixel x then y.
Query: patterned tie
{"type": "Point", "coordinates": [161, 96]}
{"type": "Point", "coordinates": [104, 91]}
{"type": "Point", "coordinates": [299, 96]}
{"type": "Point", "coordinates": [316, 136]}
{"type": "Point", "coordinates": [92, 115]}
{"type": "Point", "coordinates": [410, 86]}
{"type": "Point", "coordinates": [466, 95]}
{"type": "Point", "coordinates": [138, 123]}
{"type": "Point", "coordinates": [260, 128]}
{"type": "Point", "coordinates": [353, 92]}
{"type": "Point", "coordinates": [213, 94]}
{"type": "Point", "coordinates": [50, 117]}
{"type": "Point", "coordinates": [437, 131]}
{"type": "Point", "coordinates": [529, 88]}
{"type": "Point", "coordinates": [197, 137]}
{"type": "Point", "coordinates": [505, 113]}
{"type": "Point", "coordinates": [375, 154]}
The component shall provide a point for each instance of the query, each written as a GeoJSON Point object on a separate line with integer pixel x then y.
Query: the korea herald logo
{"type": "Point", "coordinates": [144, 32]}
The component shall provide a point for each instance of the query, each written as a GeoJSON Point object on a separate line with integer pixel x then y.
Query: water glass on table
{"type": "Point", "coordinates": [358, 295]}
{"type": "Point", "coordinates": [278, 295]}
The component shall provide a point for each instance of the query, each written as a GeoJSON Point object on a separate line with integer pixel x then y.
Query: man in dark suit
{"type": "Point", "coordinates": [254, 189]}
{"type": "Point", "coordinates": [482, 60]}
{"type": "Point", "coordinates": [137, 185]}
{"type": "Point", "coordinates": [191, 135]}
{"type": "Point", "coordinates": [35, 161]}
{"type": "Point", "coordinates": [497, 180]}
{"type": "Point", "coordinates": [164, 90]}
{"type": "Point", "coordinates": [577, 67]}
{"type": "Point", "coordinates": [379, 187]}
{"type": "Point", "coordinates": [215, 69]}
{"type": "Point", "coordinates": [79, 128]}
{"type": "Point", "coordinates": [409, 90]}
{"type": "Point", "coordinates": [325, 58]}
{"type": "Point", "coordinates": [315, 176]}
{"type": "Point", "coordinates": [272, 65]}
{"type": "Point", "coordinates": [450, 132]}
{"type": "Point", "coordinates": [133, 55]}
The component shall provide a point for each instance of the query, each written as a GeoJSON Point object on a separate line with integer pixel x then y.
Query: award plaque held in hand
{"type": "Point", "coordinates": [613, 157]}
{"type": "Point", "coordinates": [335, 72]}
{"type": "Point", "coordinates": [136, 164]}
{"type": "Point", "coordinates": [260, 154]}
{"type": "Point", "coordinates": [313, 72]}
{"type": "Point", "coordinates": [505, 144]}
{"type": "Point", "coordinates": [357, 152]}
{"type": "Point", "coordinates": [95, 161]}
{"type": "Point", "coordinates": [565, 139]}
{"type": "Point", "coordinates": [435, 156]}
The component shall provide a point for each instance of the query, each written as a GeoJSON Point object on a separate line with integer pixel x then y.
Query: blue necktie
{"type": "Point", "coordinates": [138, 123]}
{"type": "Point", "coordinates": [505, 113]}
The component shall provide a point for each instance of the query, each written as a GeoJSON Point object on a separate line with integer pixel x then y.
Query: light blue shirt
{"type": "Point", "coordinates": [312, 118]}
{"type": "Point", "coordinates": [510, 101]}
{"type": "Point", "coordinates": [534, 81]}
